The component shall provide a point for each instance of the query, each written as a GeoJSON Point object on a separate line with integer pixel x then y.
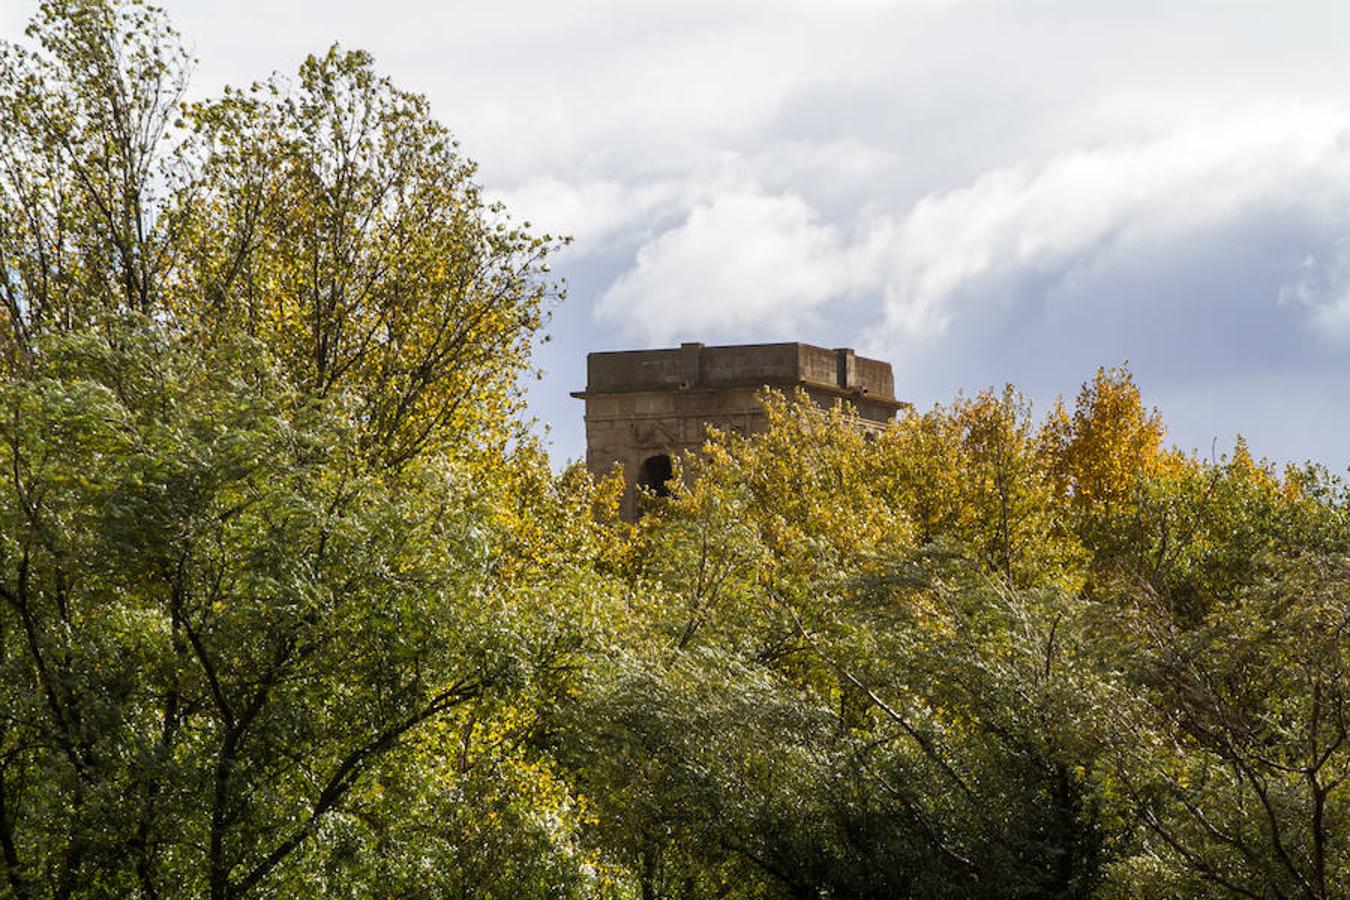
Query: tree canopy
{"type": "Point", "coordinates": [292, 604]}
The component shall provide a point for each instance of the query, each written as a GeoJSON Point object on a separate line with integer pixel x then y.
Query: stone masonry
{"type": "Point", "coordinates": [644, 407]}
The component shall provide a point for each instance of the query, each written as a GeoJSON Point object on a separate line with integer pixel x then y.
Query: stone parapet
{"type": "Point", "coordinates": [692, 366]}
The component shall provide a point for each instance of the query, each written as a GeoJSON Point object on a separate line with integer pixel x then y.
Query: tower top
{"type": "Point", "coordinates": [644, 407]}
{"type": "Point", "coordinates": [693, 367]}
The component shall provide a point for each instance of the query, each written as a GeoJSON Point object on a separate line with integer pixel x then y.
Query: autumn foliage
{"type": "Point", "coordinates": [1044, 657]}
{"type": "Point", "coordinates": [292, 604]}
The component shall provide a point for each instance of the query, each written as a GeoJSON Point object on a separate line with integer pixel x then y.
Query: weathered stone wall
{"type": "Point", "coordinates": [642, 404]}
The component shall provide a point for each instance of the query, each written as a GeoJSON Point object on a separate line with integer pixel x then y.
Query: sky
{"type": "Point", "coordinates": [979, 192]}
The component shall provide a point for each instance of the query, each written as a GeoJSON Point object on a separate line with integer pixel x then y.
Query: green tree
{"type": "Point", "coordinates": [219, 622]}
{"type": "Point", "coordinates": [270, 556]}
{"type": "Point", "coordinates": [1236, 757]}
{"type": "Point", "coordinates": [334, 220]}
{"type": "Point", "coordinates": [87, 163]}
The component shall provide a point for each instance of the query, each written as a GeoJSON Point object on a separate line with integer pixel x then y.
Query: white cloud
{"type": "Point", "coordinates": [605, 214]}
{"type": "Point", "coordinates": [745, 262]}
{"type": "Point", "coordinates": [962, 246]}
{"type": "Point", "coordinates": [592, 211]}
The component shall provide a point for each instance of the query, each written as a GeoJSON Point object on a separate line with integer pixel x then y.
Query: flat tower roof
{"type": "Point", "coordinates": [693, 367]}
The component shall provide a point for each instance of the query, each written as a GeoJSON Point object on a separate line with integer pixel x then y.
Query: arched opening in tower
{"type": "Point", "coordinates": [655, 474]}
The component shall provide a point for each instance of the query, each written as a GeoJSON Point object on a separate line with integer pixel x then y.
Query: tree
{"type": "Point", "coordinates": [811, 703]}
{"type": "Point", "coordinates": [338, 224]}
{"type": "Point", "coordinates": [218, 622]}
{"type": "Point", "coordinates": [976, 474]}
{"type": "Point", "coordinates": [974, 656]}
{"type": "Point", "coordinates": [335, 222]}
{"type": "Point", "coordinates": [267, 534]}
{"type": "Point", "coordinates": [1238, 758]}
{"type": "Point", "coordinates": [87, 161]}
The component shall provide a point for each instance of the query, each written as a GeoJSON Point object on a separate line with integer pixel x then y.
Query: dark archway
{"type": "Point", "coordinates": [655, 474]}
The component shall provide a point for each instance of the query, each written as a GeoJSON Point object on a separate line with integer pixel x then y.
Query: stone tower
{"type": "Point", "coordinates": [643, 407]}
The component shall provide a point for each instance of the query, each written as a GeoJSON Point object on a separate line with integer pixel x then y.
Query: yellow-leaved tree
{"type": "Point", "coordinates": [975, 475]}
